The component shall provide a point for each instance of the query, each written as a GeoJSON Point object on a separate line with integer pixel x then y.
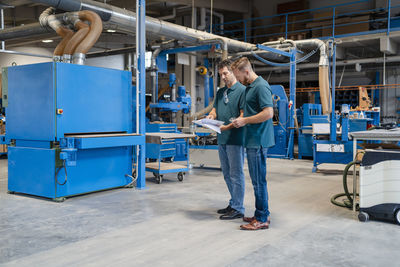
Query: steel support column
{"type": "Point", "coordinates": [293, 103]}
{"type": "Point", "coordinates": [332, 136]}
{"type": "Point", "coordinates": [141, 85]}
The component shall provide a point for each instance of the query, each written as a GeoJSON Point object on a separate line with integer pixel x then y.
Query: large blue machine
{"type": "Point", "coordinates": [281, 123]}
{"type": "Point", "coordinates": [70, 129]}
{"type": "Point", "coordinates": [339, 150]}
{"type": "Point", "coordinates": [182, 102]}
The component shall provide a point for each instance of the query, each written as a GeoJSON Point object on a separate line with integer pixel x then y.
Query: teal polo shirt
{"type": "Point", "coordinates": [230, 109]}
{"type": "Point", "coordinates": [258, 95]}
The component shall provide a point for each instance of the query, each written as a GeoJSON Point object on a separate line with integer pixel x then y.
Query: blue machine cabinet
{"type": "Point", "coordinates": [181, 146]}
{"type": "Point", "coordinates": [309, 114]}
{"type": "Point", "coordinates": [70, 129]}
{"type": "Point", "coordinates": [169, 148]}
{"type": "Point", "coordinates": [281, 123]}
{"type": "Point", "coordinates": [338, 151]}
{"type": "Point", "coordinates": [162, 147]}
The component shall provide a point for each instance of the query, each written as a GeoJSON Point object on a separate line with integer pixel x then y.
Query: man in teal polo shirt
{"type": "Point", "coordinates": [259, 136]}
{"type": "Point", "coordinates": [228, 106]}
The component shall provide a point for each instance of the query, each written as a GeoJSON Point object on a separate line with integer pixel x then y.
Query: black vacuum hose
{"type": "Point", "coordinates": [349, 203]}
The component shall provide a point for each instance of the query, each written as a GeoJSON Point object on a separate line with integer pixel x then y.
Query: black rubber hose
{"type": "Point", "coordinates": [343, 204]}
{"type": "Point", "coordinates": [66, 175]}
{"type": "Point", "coordinates": [346, 193]}
{"type": "Point", "coordinates": [346, 189]}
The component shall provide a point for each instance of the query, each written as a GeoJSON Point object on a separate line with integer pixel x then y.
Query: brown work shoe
{"type": "Point", "coordinates": [254, 225]}
{"type": "Point", "coordinates": [250, 219]}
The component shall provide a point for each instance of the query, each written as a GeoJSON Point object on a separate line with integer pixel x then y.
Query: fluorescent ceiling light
{"type": "Point", "coordinates": [111, 30]}
{"type": "Point", "coordinates": [47, 41]}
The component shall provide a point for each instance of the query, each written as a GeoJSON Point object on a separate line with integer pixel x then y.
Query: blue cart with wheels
{"type": "Point", "coordinates": [169, 154]}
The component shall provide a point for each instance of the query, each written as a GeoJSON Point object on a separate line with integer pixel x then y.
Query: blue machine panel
{"type": "Point", "coordinates": [31, 102]}
{"type": "Point", "coordinates": [96, 169]}
{"type": "Point", "coordinates": [282, 123]}
{"type": "Point", "coordinates": [31, 171]}
{"type": "Point", "coordinates": [96, 100]}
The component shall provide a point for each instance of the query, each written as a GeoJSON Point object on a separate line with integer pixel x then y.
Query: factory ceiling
{"type": "Point", "coordinates": [23, 12]}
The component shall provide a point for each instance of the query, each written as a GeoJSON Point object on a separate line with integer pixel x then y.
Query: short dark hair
{"type": "Point", "coordinates": [225, 63]}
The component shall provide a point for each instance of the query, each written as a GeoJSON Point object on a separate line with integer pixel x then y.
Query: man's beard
{"type": "Point", "coordinates": [246, 81]}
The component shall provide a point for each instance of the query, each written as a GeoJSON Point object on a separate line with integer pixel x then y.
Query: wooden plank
{"type": "Point", "coordinates": [164, 166]}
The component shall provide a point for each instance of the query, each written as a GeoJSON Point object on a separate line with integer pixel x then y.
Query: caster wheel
{"type": "Point", "coordinates": [59, 199]}
{"type": "Point", "coordinates": [363, 216]}
{"type": "Point", "coordinates": [397, 216]}
{"type": "Point", "coordinates": [159, 179]}
{"type": "Point", "coordinates": [155, 174]}
{"type": "Point", "coordinates": [180, 176]}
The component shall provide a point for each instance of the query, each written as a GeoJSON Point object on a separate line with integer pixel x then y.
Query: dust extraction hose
{"type": "Point", "coordinates": [73, 43]}
{"type": "Point", "coordinates": [96, 27]}
{"type": "Point", "coordinates": [66, 35]}
{"type": "Point", "coordinates": [349, 202]}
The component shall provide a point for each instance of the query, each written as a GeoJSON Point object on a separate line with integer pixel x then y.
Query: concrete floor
{"type": "Point", "coordinates": [175, 224]}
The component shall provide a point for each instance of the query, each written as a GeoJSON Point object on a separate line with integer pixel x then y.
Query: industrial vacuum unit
{"type": "Point", "coordinates": [70, 129]}
{"type": "Point", "coordinates": [380, 185]}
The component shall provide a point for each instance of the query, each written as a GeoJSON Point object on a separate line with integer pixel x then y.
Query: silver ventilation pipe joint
{"type": "Point", "coordinates": [79, 59]}
{"type": "Point", "coordinates": [58, 59]}
{"type": "Point", "coordinates": [67, 58]}
{"type": "Point", "coordinates": [312, 43]}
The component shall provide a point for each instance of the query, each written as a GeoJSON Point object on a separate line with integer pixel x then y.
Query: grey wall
{"type": "Point", "coordinates": [113, 62]}
{"type": "Point", "coordinates": [9, 59]}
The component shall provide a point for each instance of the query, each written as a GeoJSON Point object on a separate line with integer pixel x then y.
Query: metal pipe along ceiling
{"type": "Point", "coordinates": [377, 60]}
{"type": "Point", "coordinates": [125, 21]}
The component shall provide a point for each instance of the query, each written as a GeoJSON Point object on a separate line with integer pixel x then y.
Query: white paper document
{"type": "Point", "coordinates": [210, 124]}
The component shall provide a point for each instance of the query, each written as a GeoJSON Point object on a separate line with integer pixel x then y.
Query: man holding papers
{"type": "Point", "coordinates": [228, 106]}
{"type": "Point", "coordinates": [257, 121]}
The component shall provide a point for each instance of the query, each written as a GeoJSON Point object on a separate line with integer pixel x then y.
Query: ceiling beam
{"type": "Point", "coordinates": [228, 5]}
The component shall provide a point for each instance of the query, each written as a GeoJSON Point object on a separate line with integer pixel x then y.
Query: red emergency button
{"type": "Point", "coordinates": [60, 111]}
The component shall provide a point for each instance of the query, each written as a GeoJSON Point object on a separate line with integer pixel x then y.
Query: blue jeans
{"type": "Point", "coordinates": [232, 160]}
{"type": "Point", "coordinates": [257, 161]}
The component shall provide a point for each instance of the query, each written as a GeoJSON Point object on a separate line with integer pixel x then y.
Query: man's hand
{"type": "Point", "coordinates": [239, 122]}
{"type": "Point", "coordinates": [224, 127]}
{"type": "Point", "coordinates": [211, 117]}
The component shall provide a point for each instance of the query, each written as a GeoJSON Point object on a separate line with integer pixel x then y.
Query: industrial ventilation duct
{"type": "Point", "coordinates": [125, 21]}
